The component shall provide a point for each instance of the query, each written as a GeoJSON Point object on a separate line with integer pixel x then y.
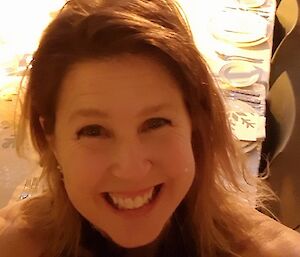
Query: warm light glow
{"type": "Point", "coordinates": [21, 22]}
{"type": "Point", "coordinates": [21, 26]}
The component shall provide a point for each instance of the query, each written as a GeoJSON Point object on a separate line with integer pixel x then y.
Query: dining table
{"type": "Point", "coordinates": [234, 37]}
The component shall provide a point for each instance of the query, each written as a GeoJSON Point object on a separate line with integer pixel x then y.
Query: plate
{"type": "Point", "coordinates": [254, 43]}
{"type": "Point", "coordinates": [251, 3]}
{"type": "Point", "coordinates": [239, 74]}
{"type": "Point", "coordinates": [241, 28]}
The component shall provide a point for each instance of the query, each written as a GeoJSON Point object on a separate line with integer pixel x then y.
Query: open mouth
{"type": "Point", "coordinates": [120, 202]}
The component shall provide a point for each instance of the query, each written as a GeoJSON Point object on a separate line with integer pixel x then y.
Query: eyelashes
{"type": "Point", "coordinates": [155, 123]}
{"type": "Point", "coordinates": [98, 131]}
{"type": "Point", "coordinates": [93, 130]}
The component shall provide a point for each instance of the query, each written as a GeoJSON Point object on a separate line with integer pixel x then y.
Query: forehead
{"type": "Point", "coordinates": [113, 81]}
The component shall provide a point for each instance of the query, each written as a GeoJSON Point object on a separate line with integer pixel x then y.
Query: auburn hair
{"type": "Point", "coordinates": [89, 30]}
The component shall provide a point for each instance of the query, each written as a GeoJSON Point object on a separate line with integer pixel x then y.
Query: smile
{"type": "Point", "coordinates": [131, 201]}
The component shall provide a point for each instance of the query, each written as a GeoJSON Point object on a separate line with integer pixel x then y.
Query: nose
{"type": "Point", "coordinates": [131, 161]}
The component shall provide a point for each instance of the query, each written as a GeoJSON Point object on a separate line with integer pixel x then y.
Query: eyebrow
{"type": "Point", "coordinates": [88, 112]}
{"type": "Point", "coordinates": [92, 112]}
{"type": "Point", "coordinates": [154, 109]}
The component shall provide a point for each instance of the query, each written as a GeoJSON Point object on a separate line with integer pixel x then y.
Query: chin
{"type": "Point", "coordinates": [134, 240]}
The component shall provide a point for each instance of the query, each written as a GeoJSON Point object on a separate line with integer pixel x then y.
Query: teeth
{"type": "Point", "coordinates": [132, 203]}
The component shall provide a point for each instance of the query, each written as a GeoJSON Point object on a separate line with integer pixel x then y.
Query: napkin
{"type": "Point", "coordinates": [247, 126]}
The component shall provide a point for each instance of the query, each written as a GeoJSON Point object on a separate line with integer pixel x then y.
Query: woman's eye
{"type": "Point", "coordinates": [156, 123]}
{"type": "Point", "coordinates": [91, 131]}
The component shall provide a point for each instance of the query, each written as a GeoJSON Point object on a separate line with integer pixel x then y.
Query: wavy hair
{"type": "Point", "coordinates": [88, 30]}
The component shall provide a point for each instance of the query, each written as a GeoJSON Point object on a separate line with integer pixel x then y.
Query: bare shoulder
{"type": "Point", "coordinates": [17, 237]}
{"type": "Point", "coordinates": [272, 239]}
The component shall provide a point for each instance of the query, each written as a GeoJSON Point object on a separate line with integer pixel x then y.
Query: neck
{"type": "Point", "coordinates": [149, 250]}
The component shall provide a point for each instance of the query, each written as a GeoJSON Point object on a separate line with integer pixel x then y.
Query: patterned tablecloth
{"type": "Point", "coordinates": [16, 45]}
{"type": "Point", "coordinates": [13, 169]}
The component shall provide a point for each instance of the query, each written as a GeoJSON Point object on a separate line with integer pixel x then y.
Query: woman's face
{"type": "Point", "coordinates": [123, 140]}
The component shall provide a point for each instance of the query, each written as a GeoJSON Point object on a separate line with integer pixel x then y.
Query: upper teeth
{"type": "Point", "coordinates": [132, 203]}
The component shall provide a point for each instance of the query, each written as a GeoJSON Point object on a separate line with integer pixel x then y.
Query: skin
{"type": "Point", "coordinates": [269, 238]}
{"type": "Point", "coordinates": [18, 237]}
{"type": "Point", "coordinates": [129, 156]}
{"type": "Point", "coordinates": [122, 127]}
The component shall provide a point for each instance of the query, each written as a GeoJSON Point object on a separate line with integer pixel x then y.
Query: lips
{"type": "Point", "coordinates": [132, 201]}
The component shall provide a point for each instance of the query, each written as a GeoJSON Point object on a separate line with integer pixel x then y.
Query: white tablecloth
{"type": "Point", "coordinates": [199, 14]}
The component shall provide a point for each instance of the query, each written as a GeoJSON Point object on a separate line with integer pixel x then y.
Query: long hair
{"type": "Point", "coordinates": [88, 30]}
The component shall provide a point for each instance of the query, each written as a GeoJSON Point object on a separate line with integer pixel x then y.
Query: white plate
{"type": "Point", "coordinates": [239, 74]}
{"type": "Point", "coordinates": [240, 28]}
{"type": "Point", "coordinates": [251, 3]}
{"type": "Point", "coordinates": [255, 42]}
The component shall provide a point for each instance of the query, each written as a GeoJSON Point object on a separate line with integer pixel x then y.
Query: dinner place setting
{"type": "Point", "coordinates": [238, 51]}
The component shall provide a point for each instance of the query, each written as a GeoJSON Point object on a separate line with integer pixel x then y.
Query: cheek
{"type": "Point", "coordinates": [175, 156]}
{"type": "Point", "coordinates": [83, 167]}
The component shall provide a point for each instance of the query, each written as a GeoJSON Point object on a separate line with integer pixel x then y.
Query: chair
{"type": "Point", "coordinates": [280, 116]}
{"type": "Point", "coordinates": [286, 56]}
{"type": "Point", "coordinates": [288, 14]}
{"type": "Point", "coordinates": [282, 144]}
{"type": "Point", "coordinates": [284, 152]}
{"type": "Point", "coordinates": [285, 78]}
{"type": "Point", "coordinates": [287, 17]}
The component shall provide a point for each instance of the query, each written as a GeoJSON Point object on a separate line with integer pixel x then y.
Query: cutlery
{"type": "Point", "coordinates": [247, 9]}
{"type": "Point", "coordinates": [226, 57]}
{"type": "Point", "coordinates": [243, 92]}
{"type": "Point", "coordinates": [261, 13]}
{"type": "Point", "coordinates": [30, 188]}
{"type": "Point", "coordinates": [244, 98]}
{"type": "Point", "coordinates": [259, 107]}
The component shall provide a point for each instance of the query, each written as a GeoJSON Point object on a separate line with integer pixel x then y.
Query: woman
{"type": "Point", "coordinates": [135, 147]}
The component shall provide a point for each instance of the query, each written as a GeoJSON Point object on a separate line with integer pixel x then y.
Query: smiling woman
{"type": "Point", "coordinates": [136, 150]}
{"type": "Point", "coordinates": [127, 153]}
